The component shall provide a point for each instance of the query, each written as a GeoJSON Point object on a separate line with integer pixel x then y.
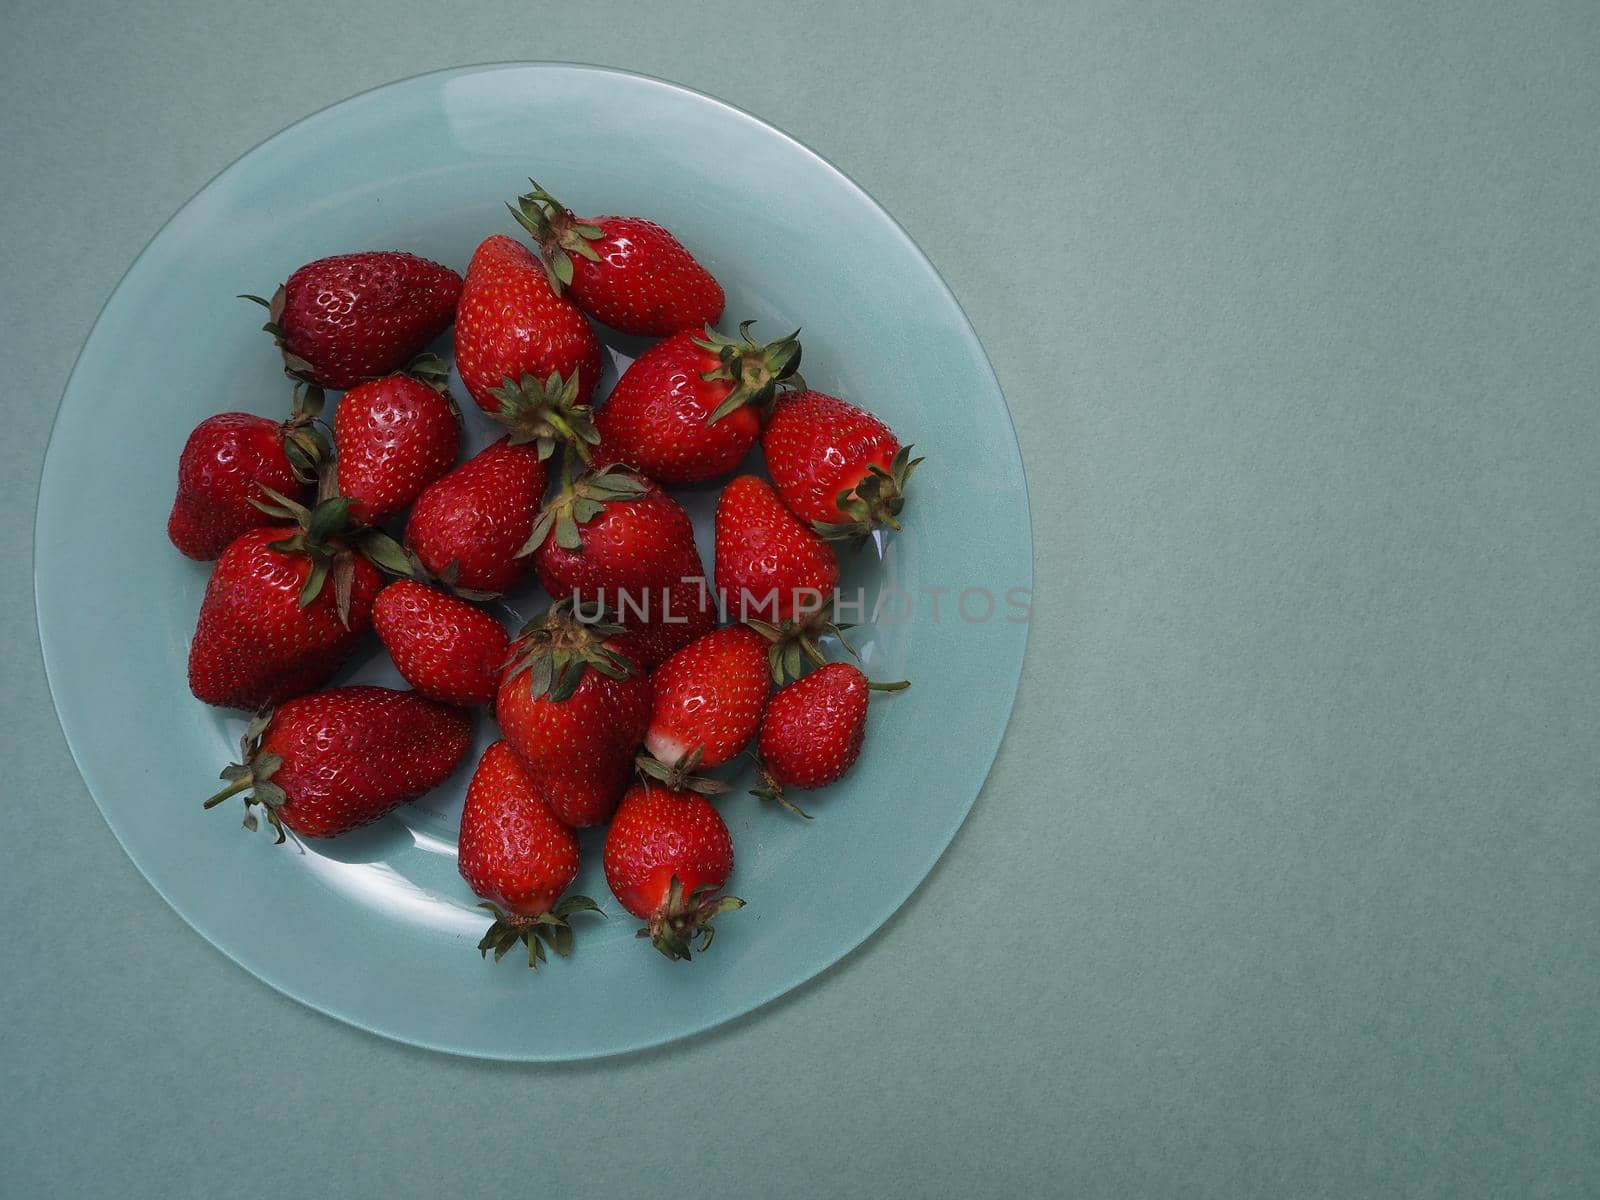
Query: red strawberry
{"type": "Point", "coordinates": [225, 463]}
{"type": "Point", "coordinates": [839, 469]}
{"type": "Point", "coordinates": [333, 761]}
{"type": "Point", "coordinates": [469, 528]}
{"type": "Point", "coordinates": [395, 436]}
{"type": "Point", "coordinates": [687, 409]}
{"type": "Point", "coordinates": [812, 731]}
{"type": "Point", "coordinates": [527, 355]}
{"type": "Point", "coordinates": [614, 540]}
{"type": "Point", "coordinates": [351, 317]}
{"type": "Point", "coordinates": [442, 646]}
{"type": "Point", "coordinates": [768, 563]}
{"type": "Point", "coordinates": [516, 855]}
{"type": "Point", "coordinates": [676, 616]}
{"type": "Point", "coordinates": [667, 853]}
{"type": "Point", "coordinates": [285, 606]}
{"type": "Point", "coordinates": [574, 711]}
{"type": "Point", "coordinates": [709, 697]}
{"type": "Point", "coordinates": [625, 271]}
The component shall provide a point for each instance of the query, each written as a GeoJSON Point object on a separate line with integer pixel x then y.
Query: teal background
{"type": "Point", "coordinates": [1284, 882]}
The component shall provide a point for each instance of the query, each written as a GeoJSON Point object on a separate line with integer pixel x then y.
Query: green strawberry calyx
{"type": "Point", "coordinates": [875, 502]}
{"type": "Point", "coordinates": [432, 371]}
{"type": "Point", "coordinates": [253, 772]}
{"type": "Point", "coordinates": [678, 776]}
{"type": "Point", "coordinates": [536, 932]}
{"type": "Point", "coordinates": [328, 535]}
{"type": "Point", "coordinates": [771, 789]}
{"type": "Point", "coordinates": [556, 648]}
{"type": "Point", "coordinates": [546, 413]}
{"type": "Point", "coordinates": [294, 366]}
{"type": "Point", "coordinates": [681, 918]}
{"type": "Point", "coordinates": [795, 643]}
{"type": "Point", "coordinates": [754, 370]}
{"type": "Point", "coordinates": [581, 501]}
{"type": "Point", "coordinates": [558, 234]}
{"type": "Point", "coordinates": [305, 444]}
{"type": "Point", "coordinates": [447, 580]}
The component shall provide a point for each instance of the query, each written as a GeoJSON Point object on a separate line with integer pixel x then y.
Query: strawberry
{"type": "Point", "coordinates": [574, 710]}
{"type": "Point", "coordinates": [225, 463]}
{"type": "Point", "coordinates": [352, 317]}
{"type": "Point", "coordinates": [516, 855]}
{"type": "Point", "coordinates": [677, 615]}
{"type": "Point", "coordinates": [627, 272]}
{"type": "Point", "coordinates": [813, 728]}
{"type": "Point", "coordinates": [667, 853]}
{"type": "Point", "coordinates": [768, 563]}
{"type": "Point", "coordinates": [269, 627]}
{"type": "Point", "coordinates": [395, 436]}
{"type": "Point", "coordinates": [441, 645]}
{"type": "Point", "coordinates": [839, 469]}
{"type": "Point", "coordinates": [333, 761]}
{"type": "Point", "coordinates": [470, 526]}
{"type": "Point", "coordinates": [709, 697]}
{"type": "Point", "coordinates": [616, 541]}
{"type": "Point", "coordinates": [527, 355]}
{"type": "Point", "coordinates": [688, 408]}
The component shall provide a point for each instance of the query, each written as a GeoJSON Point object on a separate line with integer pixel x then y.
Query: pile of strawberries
{"type": "Point", "coordinates": [612, 701]}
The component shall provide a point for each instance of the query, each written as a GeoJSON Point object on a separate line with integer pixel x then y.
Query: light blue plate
{"type": "Point", "coordinates": [377, 928]}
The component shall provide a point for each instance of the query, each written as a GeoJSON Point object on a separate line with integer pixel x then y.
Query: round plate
{"type": "Point", "coordinates": [376, 928]}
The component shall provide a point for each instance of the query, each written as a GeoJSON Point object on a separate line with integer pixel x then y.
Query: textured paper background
{"type": "Point", "coordinates": [1285, 880]}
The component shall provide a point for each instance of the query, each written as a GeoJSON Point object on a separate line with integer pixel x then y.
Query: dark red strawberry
{"type": "Point", "coordinates": [675, 617]}
{"type": "Point", "coordinates": [615, 541]}
{"type": "Point", "coordinates": [813, 729]}
{"type": "Point", "coordinates": [768, 564]}
{"type": "Point", "coordinates": [667, 854]}
{"type": "Point", "coordinates": [352, 317]}
{"type": "Point", "coordinates": [225, 463]}
{"type": "Point", "coordinates": [286, 605]}
{"type": "Point", "coordinates": [516, 855]}
{"type": "Point", "coordinates": [527, 355]}
{"type": "Point", "coordinates": [839, 469]}
{"type": "Point", "coordinates": [469, 528]}
{"type": "Point", "coordinates": [709, 697]}
{"type": "Point", "coordinates": [574, 711]}
{"type": "Point", "coordinates": [688, 409]}
{"type": "Point", "coordinates": [625, 271]}
{"type": "Point", "coordinates": [441, 645]}
{"type": "Point", "coordinates": [333, 761]}
{"type": "Point", "coordinates": [395, 436]}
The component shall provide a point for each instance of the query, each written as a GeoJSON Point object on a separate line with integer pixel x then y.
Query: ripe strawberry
{"type": "Point", "coordinates": [351, 317]}
{"type": "Point", "coordinates": [333, 761]}
{"type": "Point", "coordinates": [395, 436]}
{"type": "Point", "coordinates": [442, 646]}
{"type": "Point", "coordinates": [625, 271]}
{"type": "Point", "coordinates": [574, 711]}
{"type": "Point", "coordinates": [768, 563]}
{"type": "Point", "coordinates": [516, 855]}
{"type": "Point", "coordinates": [225, 463]}
{"type": "Point", "coordinates": [527, 355]}
{"type": "Point", "coordinates": [667, 853]}
{"type": "Point", "coordinates": [470, 526]}
{"type": "Point", "coordinates": [839, 469]}
{"type": "Point", "coordinates": [709, 697]}
{"type": "Point", "coordinates": [615, 541]}
{"type": "Point", "coordinates": [269, 628]}
{"type": "Point", "coordinates": [812, 731]}
{"type": "Point", "coordinates": [688, 408]}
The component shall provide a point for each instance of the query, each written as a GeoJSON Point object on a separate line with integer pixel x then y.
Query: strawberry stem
{"type": "Point", "coordinates": [243, 783]}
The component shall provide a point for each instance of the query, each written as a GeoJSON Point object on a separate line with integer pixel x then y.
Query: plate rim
{"type": "Point", "coordinates": [848, 946]}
